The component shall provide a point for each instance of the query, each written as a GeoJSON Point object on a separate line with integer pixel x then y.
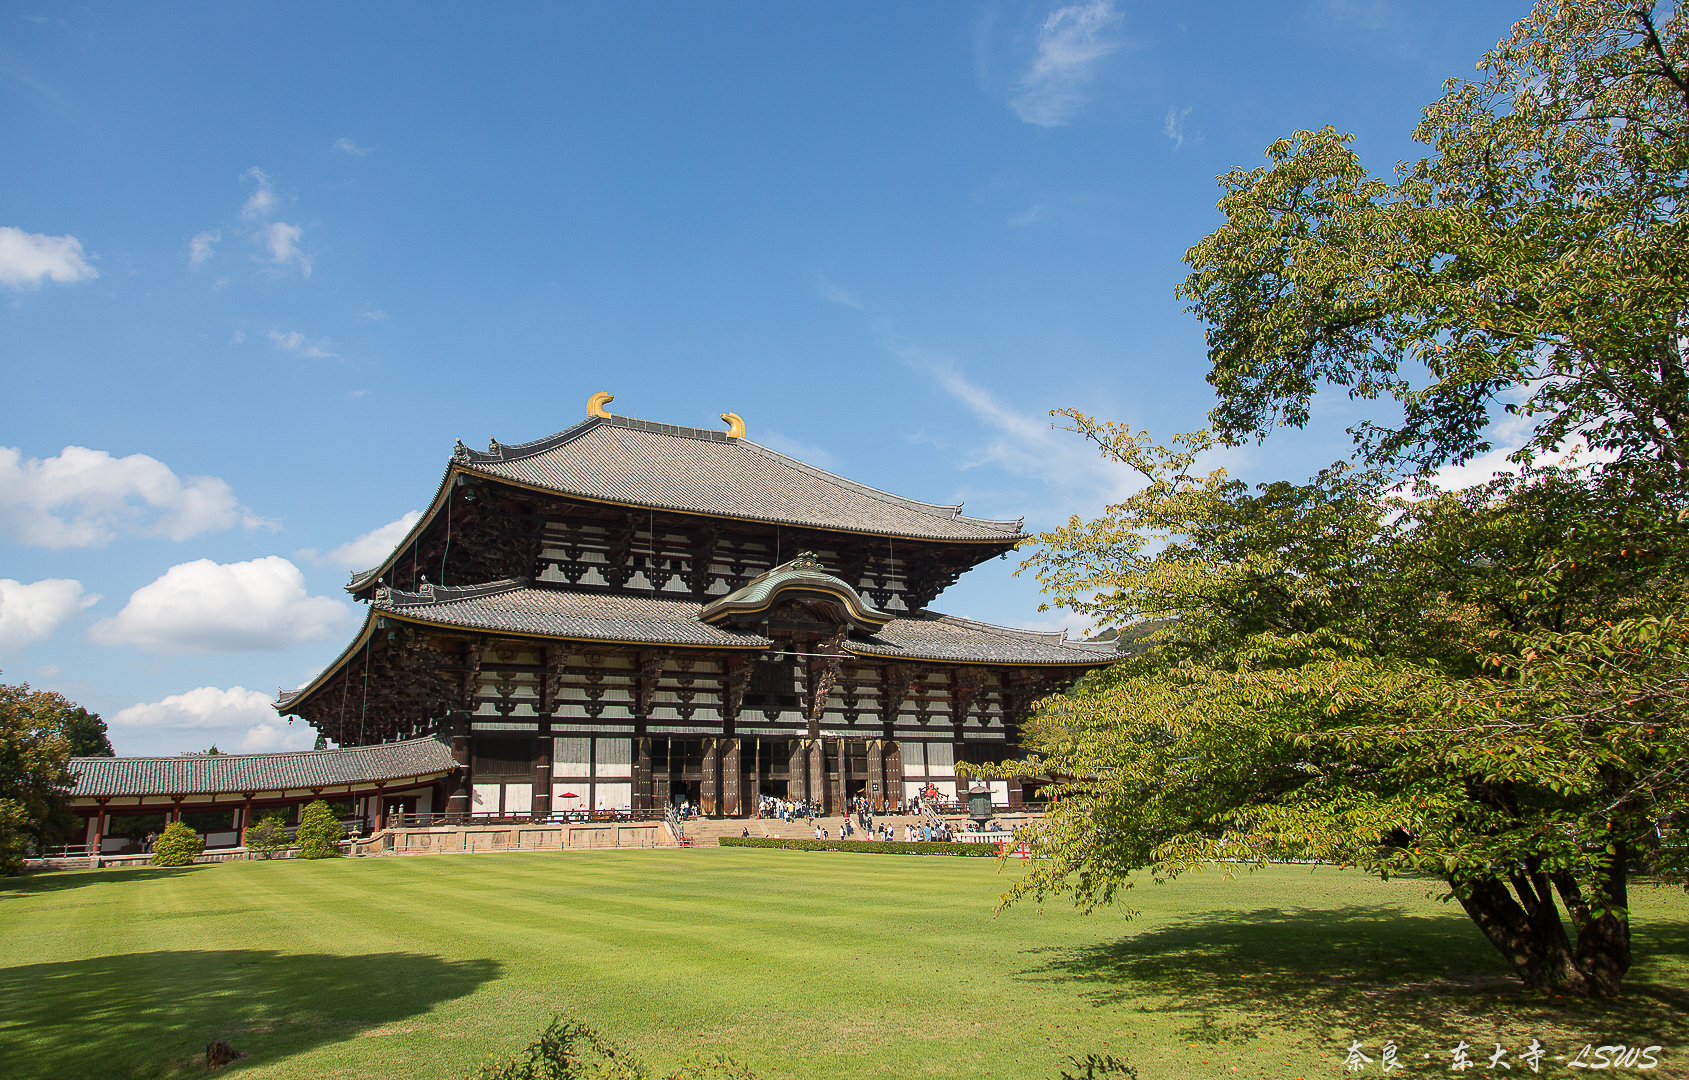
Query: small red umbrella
{"type": "Point", "coordinates": [570, 795]}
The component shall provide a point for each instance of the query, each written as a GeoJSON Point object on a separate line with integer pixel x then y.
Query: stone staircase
{"type": "Point", "coordinates": [707, 832]}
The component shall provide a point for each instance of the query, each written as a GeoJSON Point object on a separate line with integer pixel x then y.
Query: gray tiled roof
{"type": "Point", "coordinates": [927, 635]}
{"type": "Point", "coordinates": [695, 470]}
{"type": "Point", "coordinates": [235, 774]}
{"type": "Point", "coordinates": [513, 607]}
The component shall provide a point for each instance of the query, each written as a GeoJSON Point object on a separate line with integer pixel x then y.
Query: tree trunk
{"type": "Point", "coordinates": [1524, 924]}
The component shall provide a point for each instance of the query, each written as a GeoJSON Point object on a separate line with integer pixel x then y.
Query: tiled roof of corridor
{"type": "Point", "coordinates": [217, 774]}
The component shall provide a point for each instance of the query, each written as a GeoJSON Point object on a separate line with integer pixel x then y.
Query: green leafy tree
{"type": "Point", "coordinates": [177, 845]}
{"type": "Point", "coordinates": [267, 838]}
{"type": "Point", "coordinates": [1484, 685]}
{"type": "Point", "coordinates": [319, 832]}
{"type": "Point", "coordinates": [1531, 261]}
{"type": "Point", "coordinates": [86, 733]}
{"type": "Point", "coordinates": [34, 772]}
{"type": "Point", "coordinates": [1341, 672]}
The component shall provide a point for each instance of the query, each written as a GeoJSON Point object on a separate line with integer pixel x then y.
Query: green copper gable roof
{"type": "Point", "coordinates": [803, 574]}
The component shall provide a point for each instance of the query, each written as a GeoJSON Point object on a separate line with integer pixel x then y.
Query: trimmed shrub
{"type": "Point", "coordinates": [319, 832]}
{"type": "Point", "coordinates": [872, 847]}
{"type": "Point", "coordinates": [176, 846]}
{"type": "Point", "coordinates": [268, 838]}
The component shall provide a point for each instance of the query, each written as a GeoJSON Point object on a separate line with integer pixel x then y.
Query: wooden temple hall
{"type": "Point", "coordinates": [627, 614]}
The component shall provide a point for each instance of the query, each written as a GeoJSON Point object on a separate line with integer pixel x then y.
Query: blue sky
{"type": "Point", "coordinates": [261, 264]}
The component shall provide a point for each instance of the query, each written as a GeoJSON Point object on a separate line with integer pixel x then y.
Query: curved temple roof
{"type": "Point", "coordinates": [235, 774]}
{"type": "Point", "coordinates": [695, 470]}
{"type": "Point", "coordinates": [637, 463]}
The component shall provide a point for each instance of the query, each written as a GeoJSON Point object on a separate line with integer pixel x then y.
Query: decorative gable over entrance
{"type": "Point", "coordinates": [803, 584]}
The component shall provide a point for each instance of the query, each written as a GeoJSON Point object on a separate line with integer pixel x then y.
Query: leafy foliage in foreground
{"type": "Point", "coordinates": [872, 847]}
{"type": "Point", "coordinates": [569, 1050]}
{"type": "Point", "coordinates": [177, 845]}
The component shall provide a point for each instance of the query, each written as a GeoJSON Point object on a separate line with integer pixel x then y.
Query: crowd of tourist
{"type": "Point", "coordinates": [856, 824]}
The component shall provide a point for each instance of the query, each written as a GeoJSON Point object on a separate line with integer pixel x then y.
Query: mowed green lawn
{"type": "Point", "coordinates": [799, 964]}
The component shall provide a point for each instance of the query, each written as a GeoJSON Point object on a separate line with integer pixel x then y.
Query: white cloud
{"type": "Point", "coordinates": [240, 719]}
{"type": "Point", "coordinates": [351, 147]}
{"type": "Point", "coordinates": [1174, 126]}
{"type": "Point", "coordinates": [373, 316]}
{"type": "Point", "coordinates": [279, 239]}
{"type": "Point", "coordinates": [84, 498]}
{"type": "Point", "coordinates": [375, 545]}
{"type": "Point", "coordinates": [203, 246]}
{"type": "Point", "coordinates": [200, 708]}
{"type": "Point", "coordinates": [237, 337]}
{"type": "Point", "coordinates": [27, 259]}
{"type": "Point", "coordinates": [283, 242]}
{"type": "Point", "coordinates": [33, 612]}
{"type": "Point", "coordinates": [1024, 444]}
{"type": "Point", "coordinates": [207, 607]}
{"type": "Point", "coordinates": [1072, 41]}
{"type": "Point", "coordinates": [837, 295]}
{"type": "Point", "coordinates": [294, 341]}
{"type": "Point", "coordinates": [275, 735]}
{"type": "Point", "coordinates": [1027, 216]}
{"type": "Point", "coordinates": [262, 202]}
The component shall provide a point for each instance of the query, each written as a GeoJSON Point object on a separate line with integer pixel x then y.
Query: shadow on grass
{"type": "Point", "coordinates": [48, 881]}
{"type": "Point", "coordinates": [149, 1015]}
{"type": "Point", "coordinates": [1369, 972]}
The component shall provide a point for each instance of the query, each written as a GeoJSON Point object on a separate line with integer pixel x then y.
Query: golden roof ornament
{"type": "Point", "coordinates": [735, 426]}
{"type": "Point", "coordinates": [595, 404]}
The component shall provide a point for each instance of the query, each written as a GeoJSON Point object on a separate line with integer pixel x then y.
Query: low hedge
{"type": "Point", "coordinates": [873, 847]}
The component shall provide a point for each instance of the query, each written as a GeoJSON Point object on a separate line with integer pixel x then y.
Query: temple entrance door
{"type": "Point", "coordinates": [687, 791]}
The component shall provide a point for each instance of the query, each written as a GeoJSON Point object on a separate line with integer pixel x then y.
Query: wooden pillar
{"type": "Point", "coordinates": [246, 817]}
{"type": "Point", "coordinates": [841, 789]}
{"type": "Point", "coordinates": [733, 801]}
{"type": "Point", "coordinates": [457, 805]}
{"type": "Point", "coordinates": [642, 788]}
{"type": "Point", "coordinates": [818, 773]}
{"type": "Point", "coordinates": [877, 774]}
{"type": "Point", "coordinates": [542, 774]}
{"type": "Point", "coordinates": [99, 827]}
{"type": "Point", "coordinates": [709, 795]}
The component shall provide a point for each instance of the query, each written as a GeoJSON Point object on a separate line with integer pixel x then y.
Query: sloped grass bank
{"type": "Point", "coordinates": [845, 966]}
